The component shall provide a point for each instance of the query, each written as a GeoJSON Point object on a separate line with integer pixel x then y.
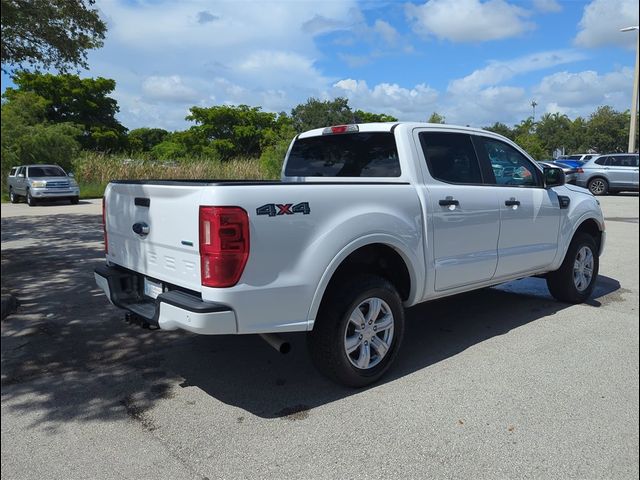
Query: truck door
{"type": "Point", "coordinates": [529, 213]}
{"type": "Point", "coordinates": [463, 215]}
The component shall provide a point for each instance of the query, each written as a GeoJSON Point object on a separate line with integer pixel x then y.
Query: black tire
{"type": "Point", "coordinates": [75, 200]}
{"type": "Point", "coordinates": [327, 340]}
{"type": "Point", "coordinates": [598, 186]}
{"type": "Point", "coordinates": [561, 283]}
{"type": "Point", "coordinates": [30, 200]}
{"type": "Point", "coordinates": [13, 198]}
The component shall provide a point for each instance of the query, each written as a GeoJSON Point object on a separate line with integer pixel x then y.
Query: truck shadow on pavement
{"type": "Point", "coordinates": [67, 354]}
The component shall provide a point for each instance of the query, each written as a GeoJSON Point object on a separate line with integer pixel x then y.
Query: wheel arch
{"type": "Point", "coordinates": [378, 254]}
{"type": "Point", "coordinates": [591, 227]}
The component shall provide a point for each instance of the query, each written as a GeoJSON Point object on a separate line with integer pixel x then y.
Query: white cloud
{"type": "Point", "coordinates": [469, 20]}
{"type": "Point", "coordinates": [547, 6]}
{"type": "Point", "coordinates": [386, 31]}
{"type": "Point", "coordinates": [191, 53]}
{"type": "Point", "coordinates": [499, 71]}
{"type": "Point", "coordinates": [580, 93]}
{"type": "Point", "coordinates": [169, 88]}
{"type": "Point", "coordinates": [413, 104]}
{"type": "Point", "coordinates": [602, 20]}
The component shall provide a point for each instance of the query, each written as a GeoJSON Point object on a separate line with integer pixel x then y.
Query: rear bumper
{"type": "Point", "coordinates": [170, 310]}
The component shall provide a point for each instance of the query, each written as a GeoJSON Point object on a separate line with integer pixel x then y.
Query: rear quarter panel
{"type": "Point", "coordinates": [292, 257]}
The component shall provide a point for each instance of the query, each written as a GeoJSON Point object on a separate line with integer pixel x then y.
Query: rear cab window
{"type": "Point", "coordinates": [362, 154]}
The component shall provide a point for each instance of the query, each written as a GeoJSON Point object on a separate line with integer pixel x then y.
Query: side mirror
{"type": "Point", "coordinates": [21, 175]}
{"type": "Point", "coordinates": [553, 177]}
{"type": "Point", "coordinates": [70, 174]}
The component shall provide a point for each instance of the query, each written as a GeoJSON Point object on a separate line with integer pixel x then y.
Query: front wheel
{"type": "Point", "coordinates": [13, 198]}
{"type": "Point", "coordinates": [75, 200]}
{"type": "Point", "coordinates": [30, 200]}
{"type": "Point", "coordinates": [575, 280]}
{"type": "Point", "coordinates": [358, 331]}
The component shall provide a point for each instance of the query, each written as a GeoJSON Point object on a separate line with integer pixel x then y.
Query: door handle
{"type": "Point", "coordinates": [447, 202]}
{"type": "Point", "coordinates": [512, 202]}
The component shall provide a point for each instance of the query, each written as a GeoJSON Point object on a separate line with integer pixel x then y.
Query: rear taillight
{"type": "Point", "coordinates": [104, 225]}
{"type": "Point", "coordinates": [579, 170]}
{"type": "Point", "coordinates": [224, 245]}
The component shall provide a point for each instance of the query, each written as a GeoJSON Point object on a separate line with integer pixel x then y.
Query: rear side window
{"type": "Point", "coordinates": [12, 173]}
{"type": "Point", "coordinates": [624, 161]}
{"type": "Point", "coordinates": [601, 161]}
{"type": "Point", "coordinates": [451, 157]}
{"type": "Point", "coordinates": [366, 154]}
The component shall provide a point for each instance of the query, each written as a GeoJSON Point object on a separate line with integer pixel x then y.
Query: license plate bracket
{"type": "Point", "coordinates": [152, 288]}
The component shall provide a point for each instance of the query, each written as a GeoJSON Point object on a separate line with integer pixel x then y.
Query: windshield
{"type": "Point", "coordinates": [46, 172]}
{"type": "Point", "coordinates": [369, 154]}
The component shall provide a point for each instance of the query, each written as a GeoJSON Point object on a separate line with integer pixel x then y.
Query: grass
{"type": "Point", "coordinates": [99, 169]}
{"type": "Point", "coordinates": [93, 171]}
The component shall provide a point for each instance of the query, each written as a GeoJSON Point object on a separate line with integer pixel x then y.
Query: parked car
{"type": "Point", "coordinates": [570, 173]}
{"type": "Point", "coordinates": [367, 219]}
{"type": "Point", "coordinates": [575, 160]}
{"type": "Point", "coordinates": [610, 173]}
{"type": "Point", "coordinates": [41, 182]}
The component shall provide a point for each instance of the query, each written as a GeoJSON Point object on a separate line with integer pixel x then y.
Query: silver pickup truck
{"type": "Point", "coordinates": [41, 182]}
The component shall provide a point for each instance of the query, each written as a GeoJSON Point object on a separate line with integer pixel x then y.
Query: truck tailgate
{"type": "Point", "coordinates": [169, 251]}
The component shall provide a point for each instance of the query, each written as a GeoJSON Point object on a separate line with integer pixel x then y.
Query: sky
{"type": "Point", "coordinates": [474, 61]}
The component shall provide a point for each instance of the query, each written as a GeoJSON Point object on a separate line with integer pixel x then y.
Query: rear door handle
{"type": "Point", "coordinates": [447, 202]}
{"type": "Point", "coordinates": [512, 202]}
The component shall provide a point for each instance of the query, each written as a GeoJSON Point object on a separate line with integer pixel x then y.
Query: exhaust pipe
{"type": "Point", "coordinates": [277, 342]}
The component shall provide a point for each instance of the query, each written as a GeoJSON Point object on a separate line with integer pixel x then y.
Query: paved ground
{"type": "Point", "coordinates": [505, 383]}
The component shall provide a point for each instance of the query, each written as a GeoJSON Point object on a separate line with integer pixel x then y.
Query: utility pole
{"type": "Point", "coordinates": [634, 95]}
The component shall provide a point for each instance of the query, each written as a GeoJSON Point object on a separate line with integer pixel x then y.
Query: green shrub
{"type": "Point", "coordinates": [272, 158]}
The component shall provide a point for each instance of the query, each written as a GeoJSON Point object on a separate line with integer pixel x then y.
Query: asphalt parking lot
{"type": "Point", "coordinates": [501, 383]}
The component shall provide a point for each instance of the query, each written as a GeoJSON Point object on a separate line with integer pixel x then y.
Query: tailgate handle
{"type": "Point", "coordinates": [142, 202]}
{"type": "Point", "coordinates": [140, 228]}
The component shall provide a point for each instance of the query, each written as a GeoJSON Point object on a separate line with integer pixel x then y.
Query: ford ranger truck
{"type": "Point", "coordinates": [366, 220]}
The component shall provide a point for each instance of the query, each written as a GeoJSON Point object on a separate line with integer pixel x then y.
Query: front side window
{"type": "Point", "coordinates": [451, 157]}
{"type": "Point", "coordinates": [509, 166]}
{"type": "Point", "coordinates": [366, 154]}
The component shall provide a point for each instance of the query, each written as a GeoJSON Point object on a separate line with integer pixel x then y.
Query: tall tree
{"type": "Point", "coordinates": [28, 138]}
{"type": "Point", "coordinates": [367, 117]}
{"type": "Point", "coordinates": [554, 131]}
{"type": "Point", "coordinates": [49, 33]}
{"type": "Point", "coordinates": [501, 129]}
{"type": "Point", "coordinates": [233, 130]}
{"type": "Point", "coordinates": [316, 114]}
{"type": "Point", "coordinates": [82, 101]}
{"type": "Point", "coordinates": [436, 118]}
{"type": "Point", "coordinates": [607, 130]}
{"type": "Point", "coordinates": [144, 139]}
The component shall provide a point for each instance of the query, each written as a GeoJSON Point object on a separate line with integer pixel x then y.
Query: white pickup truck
{"type": "Point", "coordinates": [366, 220]}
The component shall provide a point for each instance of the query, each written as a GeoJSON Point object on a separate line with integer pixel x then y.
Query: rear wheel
{"type": "Point", "coordinates": [358, 331]}
{"type": "Point", "coordinates": [30, 200]}
{"type": "Point", "coordinates": [575, 280]}
{"type": "Point", "coordinates": [598, 186]}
